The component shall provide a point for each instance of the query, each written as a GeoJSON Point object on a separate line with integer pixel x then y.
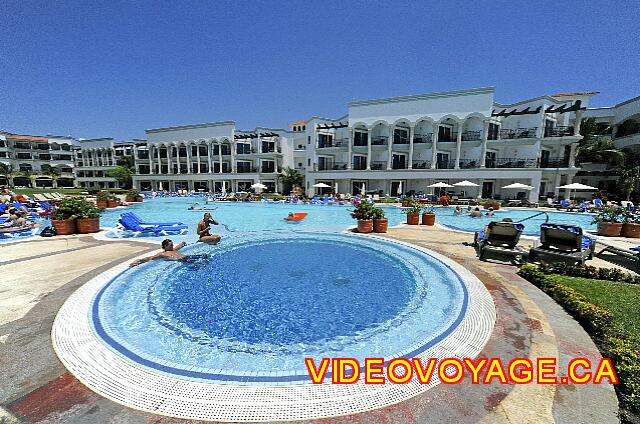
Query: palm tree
{"type": "Point", "coordinates": [595, 148]}
{"type": "Point", "coordinates": [6, 170]}
{"type": "Point", "coordinates": [54, 174]}
{"type": "Point", "coordinates": [27, 173]}
{"type": "Point", "coordinates": [630, 180]}
{"type": "Point", "coordinates": [290, 177]}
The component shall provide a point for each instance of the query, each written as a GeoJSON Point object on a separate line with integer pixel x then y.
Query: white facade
{"type": "Point", "coordinates": [95, 157]}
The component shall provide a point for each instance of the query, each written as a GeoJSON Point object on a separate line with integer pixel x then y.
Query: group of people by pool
{"type": "Point", "coordinates": [473, 212]}
{"type": "Point", "coordinates": [13, 219]}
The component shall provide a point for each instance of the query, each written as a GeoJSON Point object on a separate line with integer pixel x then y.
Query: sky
{"type": "Point", "coordinates": [115, 68]}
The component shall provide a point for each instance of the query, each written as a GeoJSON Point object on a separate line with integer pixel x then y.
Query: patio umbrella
{"type": "Point", "coordinates": [320, 185]}
{"type": "Point", "coordinates": [224, 186]}
{"type": "Point", "coordinates": [336, 188]}
{"type": "Point", "coordinates": [518, 186]}
{"type": "Point", "coordinates": [577, 186]}
{"type": "Point", "coordinates": [363, 189]}
{"type": "Point", "coordinates": [400, 189]}
{"type": "Point", "coordinates": [439, 185]}
{"type": "Point", "coordinates": [258, 186]}
{"type": "Point", "coordinates": [465, 183]}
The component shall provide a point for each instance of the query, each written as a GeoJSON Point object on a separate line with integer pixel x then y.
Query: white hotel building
{"type": "Point", "coordinates": [388, 145]}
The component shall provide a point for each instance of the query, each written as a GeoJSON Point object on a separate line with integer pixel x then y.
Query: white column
{"type": "Point", "coordinates": [576, 126]}
{"type": "Point", "coordinates": [389, 147]}
{"type": "Point", "coordinates": [188, 149]}
{"type": "Point", "coordinates": [209, 144]}
{"type": "Point", "coordinates": [198, 156]}
{"type": "Point", "coordinates": [150, 154]}
{"type": "Point", "coordinates": [434, 145]}
{"type": "Point", "coordinates": [556, 190]}
{"type": "Point", "coordinates": [136, 158]}
{"type": "Point", "coordinates": [350, 149]}
{"type": "Point", "coordinates": [369, 149]}
{"type": "Point", "coordinates": [234, 167]}
{"type": "Point", "coordinates": [534, 195]}
{"type": "Point", "coordinates": [169, 149]}
{"type": "Point", "coordinates": [220, 156]}
{"type": "Point", "coordinates": [411, 135]}
{"type": "Point", "coordinates": [458, 146]}
{"type": "Point", "coordinates": [159, 158]}
{"type": "Point", "coordinates": [483, 150]}
{"type": "Point", "coordinates": [178, 158]}
{"type": "Point", "coordinates": [572, 155]}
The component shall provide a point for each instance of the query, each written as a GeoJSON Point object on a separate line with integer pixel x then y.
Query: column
{"type": "Point", "coordinates": [136, 158]}
{"type": "Point", "coordinates": [458, 146]}
{"type": "Point", "coordinates": [220, 156]}
{"type": "Point", "coordinates": [534, 195]}
{"type": "Point", "coordinates": [556, 190]}
{"type": "Point", "coordinates": [389, 147]}
{"type": "Point", "coordinates": [198, 157]}
{"type": "Point", "coordinates": [178, 158]}
{"type": "Point", "coordinates": [369, 149]}
{"type": "Point", "coordinates": [150, 152]}
{"type": "Point", "coordinates": [350, 149]}
{"type": "Point", "coordinates": [188, 149]}
{"type": "Point", "coordinates": [411, 135]}
{"type": "Point", "coordinates": [434, 145]}
{"type": "Point", "coordinates": [483, 150]}
{"type": "Point", "coordinates": [209, 145]}
{"type": "Point", "coordinates": [576, 126]}
{"type": "Point", "coordinates": [169, 149]}
{"type": "Point", "coordinates": [572, 155]}
{"type": "Point", "coordinates": [158, 146]}
{"type": "Point", "coordinates": [234, 167]}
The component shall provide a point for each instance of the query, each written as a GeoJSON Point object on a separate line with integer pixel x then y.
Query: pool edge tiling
{"type": "Point", "coordinates": [127, 383]}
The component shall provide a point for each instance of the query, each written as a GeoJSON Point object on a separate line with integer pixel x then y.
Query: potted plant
{"type": "Point", "coordinates": [364, 213]}
{"type": "Point", "coordinates": [112, 201]}
{"type": "Point", "coordinates": [131, 196]}
{"type": "Point", "coordinates": [88, 218]}
{"type": "Point", "coordinates": [380, 222]}
{"type": "Point", "coordinates": [64, 217]}
{"type": "Point", "coordinates": [608, 222]}
{"type": "Point", "coordinates": [101, 199]}
{"type": "Point", "coordinates": [428, 216]}
{"type": "Point", "coordinates": [630, 226]}
{"type": "Point", "coordinates": [413, 213]}
{"type": "Point", "coordinates": [493, 204]}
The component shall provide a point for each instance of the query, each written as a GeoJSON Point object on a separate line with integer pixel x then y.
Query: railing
{"type": "Point", "coordinates": [423, 138]}
{"type": "Point", "coordinates": [471, 135]}
{"type": "Point", "coordinates": [246, 169]}
{"type": "Point", "coordinates": [468, 163]}
{"type": "Point", "coordinates": [378, 165]}
{"type": "Point", "coordinates": [359, 142]}
{"type": "Point", "coordinates": [268, 170]}
{"type": "Point", "coordinates": [399, 166]}
{"type": "Point", "coordinates": [554, 162]}
{"type": "Point", "coordinates": [511, 163]}
{"type": "Point", "coordinates": [425, 164]}
{"type": "Point", "coordinates": [379, 141]}
{"type": "Point", "coordinates": [336, 166]}
{"type": "Point", "coordinates": [558, 131]}
{"type": "Point", "coordinates": [448, 138]}
{"type": "Point", "coordinates": [332, 144]}
{"type": "Point", "coordinates": [359, 167]}
{"type": "Point", "coordinates": [507, 133]}
{"type": "Point", "coordinates": [400, 140]}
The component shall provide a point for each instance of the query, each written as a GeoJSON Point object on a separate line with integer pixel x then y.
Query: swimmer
{"type": "Point", "coordinates": [476, 213]}
{"type": "Point", "coordinates": [458, 210]}
{"type": "Point", "coordinates": [169, 252]}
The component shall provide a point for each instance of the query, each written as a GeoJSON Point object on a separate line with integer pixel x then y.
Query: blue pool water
{"type": "Point", "coordinates": [263, 303]}
{"type": "Point", "coordinates": [248, 217]}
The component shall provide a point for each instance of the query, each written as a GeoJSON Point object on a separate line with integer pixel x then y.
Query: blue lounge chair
{"type": "Point", "coordinates": [129, 224]}
{"type": "Point", "coordinates": [598, 203]}
{"type": "Point", "coordinates": [139, 220]}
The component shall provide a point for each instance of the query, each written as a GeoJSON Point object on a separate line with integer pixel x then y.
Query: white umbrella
{"type": "Point", "coordinates": [224, 186]}
{"type": "Point", "coordinates": [519, 186]}
{"type": "Point", "coordinates": [439, 185]}
{"type": "Point", "coordinates": [577, 186]}
{"type": "Point", "coordinates": [258, 185]}
{"type": "Point", "coordinates": [321, 185]}
{"type": "Point", "coordinates": [400, 189]}
{"type": "Point", "coordinates": [336, 188]}
{"type": "Point", "coordinates": [465, 183]}
{"type": "Point", "coordinates": [363, 189]}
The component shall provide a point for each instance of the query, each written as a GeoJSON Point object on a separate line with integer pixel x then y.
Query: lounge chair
{"type": "Point", "coordinates": [632, 254]}
{"type": "Point", "coordinates": [139, 220]}
{"type": "Point", "coordinates": [57, 196]}
{"type": "Point", "coordinates": [598, 203]}
{"type": "Point", "coordinates": [501, 239]}
{"type": "Point", "coordinates": [40, 198]}
{"type": "Point", "coordinates": [127, 223]}
{"type": "Point", "coordinates": [562, 243]}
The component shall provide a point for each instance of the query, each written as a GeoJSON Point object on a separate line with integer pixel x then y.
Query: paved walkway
{"type": "Point", "coordinates": [37, 277]}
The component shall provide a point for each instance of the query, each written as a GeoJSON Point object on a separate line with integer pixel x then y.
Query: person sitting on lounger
{"type": "Point", "coordinates": [169, 252]}
{"type": "Point", "coordinates": [203, 230]}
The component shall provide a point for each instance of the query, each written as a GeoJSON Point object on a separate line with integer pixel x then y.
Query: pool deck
{"type": "Point", "coordinates": [39, 275]}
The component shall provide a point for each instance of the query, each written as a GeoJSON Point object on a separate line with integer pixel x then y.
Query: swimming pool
{"type": "Point", "coordinates": [242, 217]}
{"type": "Point", "coordinates": [238, 327]}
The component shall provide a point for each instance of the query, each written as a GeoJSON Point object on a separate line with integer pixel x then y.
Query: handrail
{"type": "Point", "coordinates": [533, 216]}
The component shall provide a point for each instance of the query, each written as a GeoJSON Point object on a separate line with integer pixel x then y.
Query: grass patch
{"type": "Point", "coordinates": [620, 299]}
{"type": "Point", "coordinates": [70, 191]}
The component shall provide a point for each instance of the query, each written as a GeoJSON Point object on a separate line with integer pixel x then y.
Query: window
{"type": "Point", "coordinates": [299, 164]}
{"type": "Point", "coordinates": [325, 140]}
{"type": "Point", "coordinates": [399, 161]}
{"type": "Point", "coordinates": [243, 167]}
{"type": "Point", "coordinates": [309, 140]}
{"type": "Point", "coordinates": [400, 136]}
{"type": "Point", "coordinates": [308, 162]}
{"type": "Point", "coordinates": [3, 154]}
{"type": "Point", "coordinates": [268, 166]}
{"type": "Point", "coordinates": [492, 131]}
{"type": "Point", "coordinates": [359, 162]}
{"type": "Point", "coordinates": [268, 147]}
{"type": "Point", "coordinates": [304, 127]}
{"type": "Point", "coordinates": [360, 138]}
{"type": "Point", "coordinates": [243, 148]}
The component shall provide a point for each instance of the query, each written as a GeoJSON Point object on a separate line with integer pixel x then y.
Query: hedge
{"type": "Point", "coordinates": [599, 323]}
{"type": "Point", "coordinates": [586, 271]}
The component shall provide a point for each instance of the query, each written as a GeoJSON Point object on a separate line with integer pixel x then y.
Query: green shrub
{"type": "Point", "coordinates": [586, 271]}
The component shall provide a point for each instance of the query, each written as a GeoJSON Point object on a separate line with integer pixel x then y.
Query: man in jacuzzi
{"type": "Point", "coordinates": [169, 253]}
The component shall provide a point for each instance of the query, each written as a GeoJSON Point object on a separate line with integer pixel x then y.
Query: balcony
{"type": "Point", "coordinates": [399, 166]}
{"type": "Point", "coordinates": [451, 137]}
{"type": "Point", "coordinates": [471, 135]}
{"type": "Point", "coordinates": [359, 166]}
{"type": "Point", "coordinates": [336, 166]}
{"type": "Point", "coordinates": [400, 140]}
{"type": "Point", "coordinates": [423, 138]}
{"type": "Point", "coordinates": [268, 170]}
{"type": "Point", "coordinates": [378, 165]}
{"type": "Point", "coordinates": [511, 163]}
{"type": "Point", "coordinates": [425, 164]}
{"type": "Point", "coordinates": [559, 131]}
{"type": "Point", "coordinates": [328, 145]}
{"type": "Point", "coordinates": [379, 141]}
{"type": "Point", "coordinates": [468, 163]}
{"type": "Point", "coordinates": [246, 169]}
{"type": "Point", "coordinates": [554, 162]}
{"type": "Point", "coordinates": [508, 134]}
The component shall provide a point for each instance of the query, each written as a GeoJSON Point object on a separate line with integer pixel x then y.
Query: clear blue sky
{"type": "Point", "coordinates": [115, 68]}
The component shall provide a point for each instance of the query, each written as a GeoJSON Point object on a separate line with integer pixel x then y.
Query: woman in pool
{"type": "Point", "coordinates": [458, 210]}
{"type": "Point", "coordinates": [203, 230]}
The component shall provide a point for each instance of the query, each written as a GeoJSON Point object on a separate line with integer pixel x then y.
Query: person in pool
{"type": "Point", "coordinates": [203, 230]}
{"type": "Point", "coordinates": [476, 213]}
{"type": "Point", "coordinates": [169, 253]}
{"type": "Point", "coordinates": [458, 210]}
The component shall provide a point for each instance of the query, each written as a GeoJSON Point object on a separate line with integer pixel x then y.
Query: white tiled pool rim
{"type": "Point", "coordinates": [122, 381]}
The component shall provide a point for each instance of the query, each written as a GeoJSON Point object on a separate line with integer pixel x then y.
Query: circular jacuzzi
{"type": "Point", "coordinates": [225, 337]}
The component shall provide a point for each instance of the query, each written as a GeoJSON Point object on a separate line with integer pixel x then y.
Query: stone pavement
{"type": "Point", "coordinates": [37, 277]}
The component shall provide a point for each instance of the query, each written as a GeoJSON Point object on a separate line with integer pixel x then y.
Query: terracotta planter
{"type": "Point", "coordinates": [130, 199]}
{"type": "Point", "coordinates": [138, 199]}
{"type": "Point", "coordinates": [495, 206]}
{"type": "Point", "coordinates": [413, 218]}
{"type": "Point", "coordinates": [630, 229]}
{"type": "Point", "coordinates": [88, 225]}
{"type": "Point", "coordinates": [112, 203]}
{"type": "Point", "coordinates": [609, 229]}
{"type": "Point", "coordinates": [380, 225]}
{"type": "Point", "coordinates": [101, 204]}
{"type": "Point", "coordinates": [428, 218]}
{"type": "Point", "coordinates": [365, 225]}
{"type": "Point", "coordinates": [64, 227]}
{"type": "Point", "coordinates": [405, 203]}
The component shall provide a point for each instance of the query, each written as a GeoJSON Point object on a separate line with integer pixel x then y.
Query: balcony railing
{"type": "Point", "coordinates": [448, 138]}
{"type": "Point", "coordinates": [400, 140]}
{"type": "Point", "coordinates": [399, 166]}
{"type": "Point", "coordinates": [246, 169]}
{"type": "Point", "coordinates": [336, 166]}
{"type": "Point", "coordinates": [554, 162]}
{"type": "Point", "coordinates": [425, 164]}
{"type": "Point", "coordinates": [379, 141]}
{"type": "Point", "coordinates": [471, 135]}
{"type": "Point", "coordinates": [468, 163]}
{"type": "Point", "coordinates": [268, 170]}
{"type": "Point", "coordinates": [511, 163]}
{"type": "Point", "coordinates": [379, 165]}
{"type": "Point", "coordinates": [559, 131]}
{"type": "Point", "coordinates": [359, 167]}
{"type": "Point", "coordinates": [507, 133]}
{"type": "Point", "coordinates": [337, 143]}
{"type": "Point", "coordinates": [422, 138]}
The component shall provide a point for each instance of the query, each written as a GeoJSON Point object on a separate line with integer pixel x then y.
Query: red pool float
{"type": "Point", "coordinates": [297, 216]}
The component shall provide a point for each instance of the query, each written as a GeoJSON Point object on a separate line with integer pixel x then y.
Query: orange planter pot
{"type": "Point", "coordinates": [380, 225]}
{"type": "Point", "coordinates": [365, 225]}
{"type": "Point", "coordinates": [112, 203]}
{"type": "Point", "coordinates": [88, 225]}
{"type": "Point", "coordinates": [609, 229]}
{"type": "Point", "coordinates": [130, 199]}
{"type": "Point", "coordinates": [630, 230]}
{"type": "Point", "coordinates": [428, 219]}
{"type": "Point", "coordinates": [64, 227]}
{"type": "Point", "coordinates": [413, 218]}
{"type": "Point", "coordinates": [101, 204]}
